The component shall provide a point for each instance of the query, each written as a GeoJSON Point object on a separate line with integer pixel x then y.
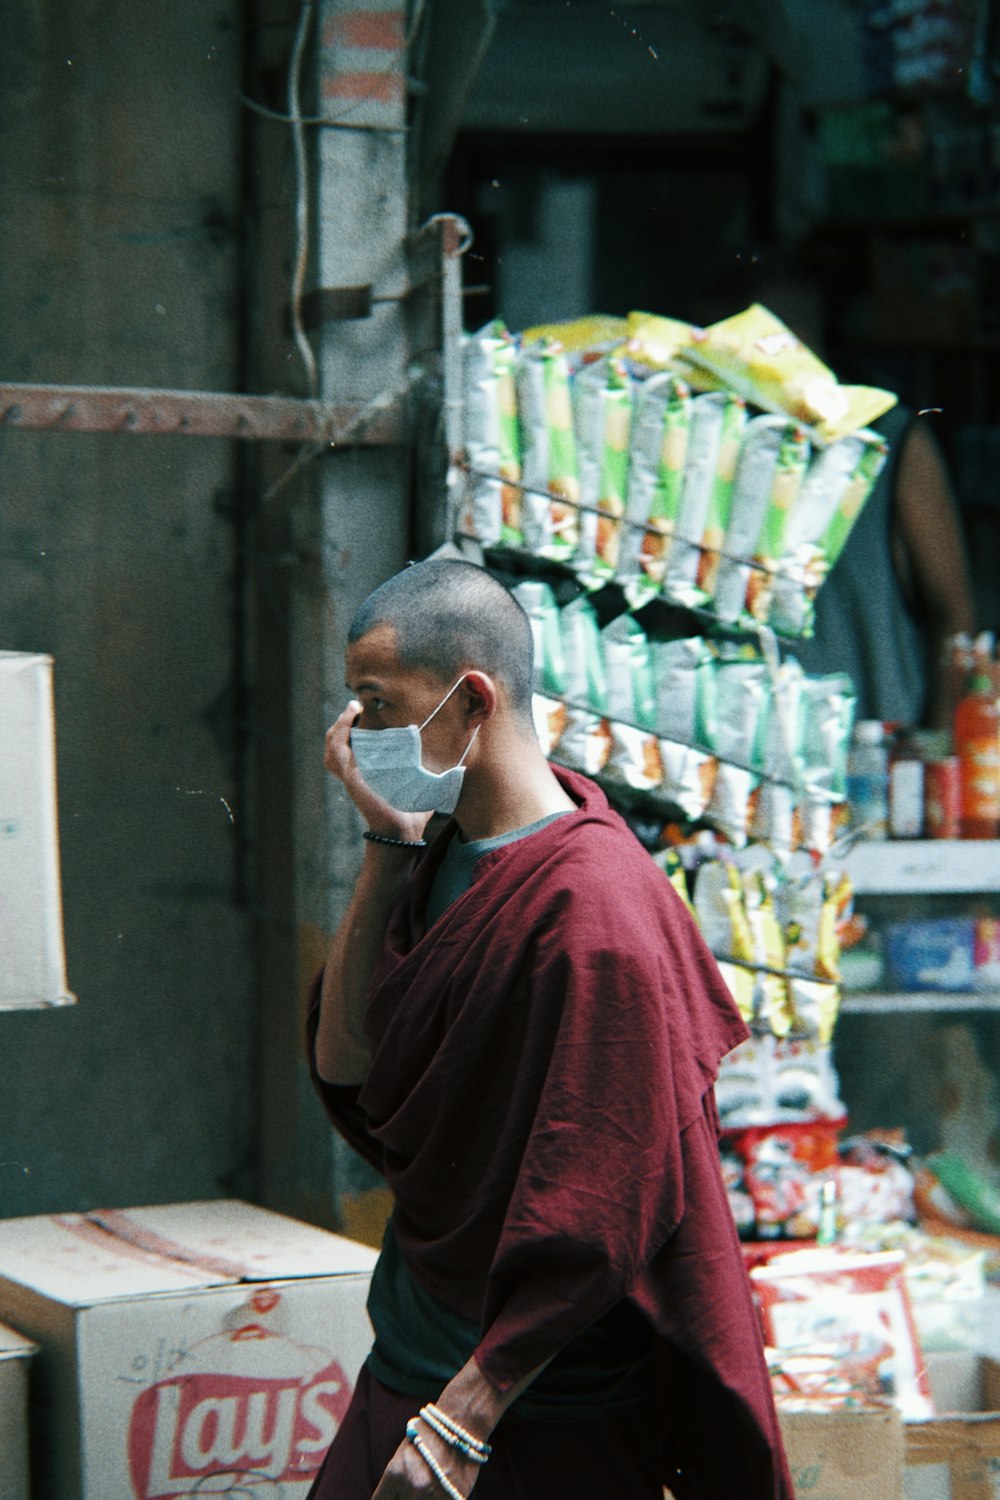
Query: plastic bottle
{"type": "Point", "coordinates": [977, 745]}
{"type": "Point", "coordinates": [868, 780]}
{"type": "Point", "coordinates": [906, 787]}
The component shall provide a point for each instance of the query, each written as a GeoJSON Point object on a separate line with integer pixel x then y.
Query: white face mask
{"type": "Point", "coordinates": [390, 763]}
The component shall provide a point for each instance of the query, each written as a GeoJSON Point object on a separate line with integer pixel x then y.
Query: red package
{"type": "Point", "coordinates": [785, 1167]}
{"type": "Point", "coordinates": [852, 1308]}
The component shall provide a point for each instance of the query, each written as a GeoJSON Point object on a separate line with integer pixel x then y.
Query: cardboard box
{"type": "Point", "coordinates": [32, 956]}
{"type": "Point", "coordinates": [15, 1351]}
{"type": "Point", "coordinates": [184, 1349]}
{"type": "Point", "coordinates": [956, 1455]}
{"type": "Point", "coordinates": [845, 1455]}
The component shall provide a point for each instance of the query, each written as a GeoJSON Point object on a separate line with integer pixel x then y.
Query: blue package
{"type": "Point", "coordinates": [937, 954]}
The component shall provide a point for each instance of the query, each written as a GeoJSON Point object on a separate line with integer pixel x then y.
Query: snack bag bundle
{"type": "Point", "coordinates": [722, 468]}
{"type": "Point", "coordinates": [714, 730]}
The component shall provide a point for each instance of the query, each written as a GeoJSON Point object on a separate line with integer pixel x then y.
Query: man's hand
{"type": "Point", "coordinates": [339, 761]}
{"type": "Point", "coordinates": [408, 1476]}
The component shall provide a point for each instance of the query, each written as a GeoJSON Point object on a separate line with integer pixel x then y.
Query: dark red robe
{"type": "Point", "coordinates": [540, 1101]}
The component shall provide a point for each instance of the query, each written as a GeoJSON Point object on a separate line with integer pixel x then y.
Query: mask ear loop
{"type": "Point", "coordinates": [444, 700]}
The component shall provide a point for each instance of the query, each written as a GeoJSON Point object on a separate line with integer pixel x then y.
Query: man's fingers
{"type": "Point", "coordinates": [337, 757]}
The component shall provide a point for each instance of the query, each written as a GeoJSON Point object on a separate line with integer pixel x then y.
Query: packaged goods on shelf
{"type": "Point", "coordinates": [708, 727]}
{"type": "Point", "coordinates": [721, 469]}
{"type": "Point", "coordinates": [854, 1308]}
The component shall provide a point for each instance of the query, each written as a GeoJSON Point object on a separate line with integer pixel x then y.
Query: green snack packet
{"type": "Point", "coordinates": [720, 497]}
{"type": "Point", "coordinates": [793, 460]}
{"type": "Point", "coordinates": [586, 682]}
{"type": "Point", "coordinates": [828, 721]}
{"type": "Point", "coordinates": [838, 483]}
{"type": "Point", "coordinates": [629, 673]}
{"type": "Point", "coordinates": [550, 504]}
{"type": "Point", "coordinates": [712, 415]}
{"type": "Point", "coordinates": [868, 468]}
{"type": "Point", "coordinates": [538, 602]}
{"type": "Point", "coordinates": [657, 459]}
{"type": "Point", "coordinates": [603, 410]}
{"type": "Point", "coordinates": [491, 438]}
{"type": "Point", "coordinates": [756, 473]}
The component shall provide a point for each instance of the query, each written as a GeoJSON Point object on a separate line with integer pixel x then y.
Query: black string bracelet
{"type": "Point", "coordinates": [382, 838]}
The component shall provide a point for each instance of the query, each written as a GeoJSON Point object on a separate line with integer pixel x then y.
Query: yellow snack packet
{"type": "Point", "coordinates": [656, 342]}
{"type": "Point", "coordinates": [756, 355]}
{"type": "Point", "coordinates": [597, 334]}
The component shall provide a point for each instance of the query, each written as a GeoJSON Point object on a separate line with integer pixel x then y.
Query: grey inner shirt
{"type": "Point", "coordinates": [454, 873]}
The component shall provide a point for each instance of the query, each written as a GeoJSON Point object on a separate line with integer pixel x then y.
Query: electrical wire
{"type": "Point", "coordinates": [301, 192]}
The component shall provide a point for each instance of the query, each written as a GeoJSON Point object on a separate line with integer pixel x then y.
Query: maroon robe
{"type": "Point", "coordinates": [540, 1101]}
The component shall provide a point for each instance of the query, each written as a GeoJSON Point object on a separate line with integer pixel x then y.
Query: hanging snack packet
{"type": "Point", "coordinates": [586, 682]}
{"type": "Point", "coordinates": [538, 602]}
{"type": "Point", "coordinates": [765, 442]}
{"type": "Point", "coordinates": [491, 438]}
{"type": "Point", "coordinates": [602, 406]}
{"type": "Point", "coordinates": [721, 911]}
{"type": "Point", "coordinates": [657, 458]}
{"type": "Point", "coordinates": [654, 343]}
{"type": "Point", "coordinates": [832, 497]}
{"type": "Point", "coordinates": [635, 755]}
{"type": "Point", "coordinates": [714, 417]}
{"type": "Point", "coordinates": [775, 821]}
{"type": "Point", "coordinates": [549, 515]}
{"type": "Point", "coordinates": [582, 339]}
{"type": "Point", "coordinates": [743, 1087]}
{"type": "Point", "coordinates": [772, 1001]}
{"type": "Point", "coordinates": [549, 717]}
{"type": "Point", "coordinates": [793, 460]}
{"type": "Point", "coordinates": [828, 721]}
{"type": "Point", "coordinates": [755, 354]}
{"type": "Point", "coordinates": [803, 1078]}
{"type": "Point", "coordinates": [721, 495]}
{"type": "Point", "coordinates": [670, 862]}
{"type": "Point", "coordinates": [741, 700]}
{"type": "Point", "coordinates": [585, 742]}
{"type": "Point", "coordinates": [687, 778]}
{"type": "Point", "coordinates": [683, 681]}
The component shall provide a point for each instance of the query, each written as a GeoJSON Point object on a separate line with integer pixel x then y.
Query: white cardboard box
{"type": "Point", "coordinates": [193, 1348]}
{"type": "Point", "coordinates": [32, 955]}
{"type": "Point", "coordinates": [15, 1352]}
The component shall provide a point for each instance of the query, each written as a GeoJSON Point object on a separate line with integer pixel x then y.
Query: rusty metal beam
{"type": "Point", "coordinates": [90, 408]}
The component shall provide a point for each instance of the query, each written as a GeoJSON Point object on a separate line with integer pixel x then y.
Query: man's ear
{"type": "Point", "coordinates": [480, 697]}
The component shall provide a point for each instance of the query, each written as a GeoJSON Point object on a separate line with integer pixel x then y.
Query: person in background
{"type": "Point", "coordinates": [901, 588]}
{"type": "Point", "coordinates": [520, 1026]}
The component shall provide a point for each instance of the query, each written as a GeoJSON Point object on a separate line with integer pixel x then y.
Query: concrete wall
{"type": "Point", "coordinates": [120, 141]}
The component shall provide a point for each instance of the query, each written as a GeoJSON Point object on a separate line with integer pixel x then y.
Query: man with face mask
{"type": "Point", "coordinates": [519, 1025]}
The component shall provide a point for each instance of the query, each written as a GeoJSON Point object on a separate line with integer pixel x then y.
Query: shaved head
{"type": "Point", "coordinates": [450, 617]}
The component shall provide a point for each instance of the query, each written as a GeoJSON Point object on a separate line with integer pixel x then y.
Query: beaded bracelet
{"type": "Point", "coordinates": [413, 1433]}
{"type": "Point", "coordinates": [455, 1436]}
{"type": "Point", "coordinates": [383, 838]}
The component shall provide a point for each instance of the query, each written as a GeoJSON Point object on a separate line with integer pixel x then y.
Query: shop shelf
{"type": "Point", "coordinates": [888, 1002]}
{"type": "Point", "coordinates": [924, 867]}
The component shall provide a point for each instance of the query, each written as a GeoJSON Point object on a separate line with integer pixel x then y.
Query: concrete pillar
{"type": "Point", "coordinates": [332, 534]}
